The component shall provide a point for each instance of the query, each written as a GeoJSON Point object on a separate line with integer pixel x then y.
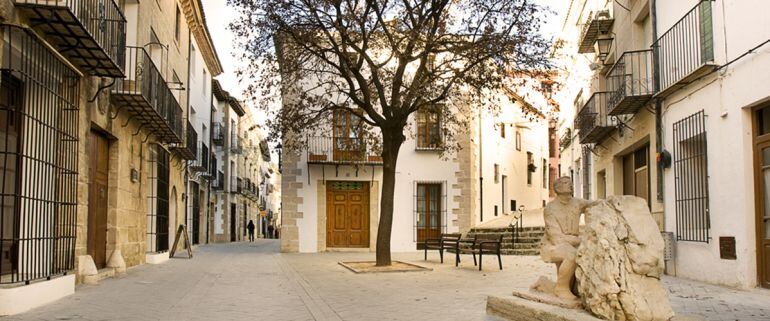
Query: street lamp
{"type": "Point", "coordinates": [603, 46]}
{"type": "Point", "coordinates": [279, 147]}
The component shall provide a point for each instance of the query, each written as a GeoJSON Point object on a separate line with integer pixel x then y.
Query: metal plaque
{"type": "Point", "coordinates": [727, 248]}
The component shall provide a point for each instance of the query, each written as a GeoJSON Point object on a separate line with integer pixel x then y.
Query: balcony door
{"type": "Point", "coordinates": [428, 212]}
{"type": "Point", "coordinates": [348, 137]}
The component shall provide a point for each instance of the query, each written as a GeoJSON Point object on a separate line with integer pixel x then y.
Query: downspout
{"type": "Point", "coordinates": [187, 168]}
{"type": "Point", "coordinates": [658, 102]}
{"type": "Point", "coordinates": [211, 149]}
{"type": "Point", "coordinates": [481, 170]}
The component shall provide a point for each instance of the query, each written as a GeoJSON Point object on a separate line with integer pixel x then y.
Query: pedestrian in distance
{"type": "Point", "coordinates": [251, 227]}
{"type": "Point", "coordinates": [270, 230]}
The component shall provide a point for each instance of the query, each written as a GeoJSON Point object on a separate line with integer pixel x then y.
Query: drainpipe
{"type": "Point", "coordinates": [481, 170]}
{"type": "Point", "coordinates": [187, 168]}
{"type": "Point", "coordinates": [658, 102]}
{"type": "Point", "coordinates": [211, 149]}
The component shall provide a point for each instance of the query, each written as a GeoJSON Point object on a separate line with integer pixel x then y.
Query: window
{"type": "Point", "coordinates": [497, 173]}
{"type": "Point", "coordinates": [177, 24]}
{"type": "Point", "coordinates": [691, 179]}
{"type": "Point", "coordinates": [530, 168]}
{"type": "Point", "coordinates": [192, 60]}
{"type": "Point", "coordinates": [586, 173]}
{"type": "Point", "coordinates": [205, 81]}
{"type": "Point", "coordinates": [348, 136]}
{"type": "Point", "coordinates": [504, 193]}
{"type": "Point", "coordinates": [518, 141]}
{"type": "Point", "coordinates": [158, 200]}
{"type": "Point", "coordinates": [428, 129]}
{"type": "Point", "coordinates": [545, 173]}
{"type": "Point", "coordinates": [502, 130]}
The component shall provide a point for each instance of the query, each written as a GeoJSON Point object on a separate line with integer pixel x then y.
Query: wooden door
{"type": "Point", "coordinates": [11, 97]}
{"type": "Point", "coordinates": [636, 174]}
{"type": "Point", "coordinates": [233, 209]}
{"type": "Point", "coordinates": [97, 198]}
{"type": "Point", "coordinates": [428, 212]}
{"type": "Point", "coordinates": [762, 165]}
{"type": "Point", "coordinates": [347, 220]}
{"type": "Point", "coordinates": [196, 215]}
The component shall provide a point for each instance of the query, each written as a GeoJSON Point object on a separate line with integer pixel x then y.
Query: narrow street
{"type": "Point", "coordinates": [243, 281]}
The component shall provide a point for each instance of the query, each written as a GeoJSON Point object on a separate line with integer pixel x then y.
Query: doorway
{"type": "Point", "coordinates": [196, 208]}
{"type": "Point", "coordinates": [347, 208]}
{"type": "Point", "coordinates": [636, 174]}
{"type": "Point", "coordinates": [762, 193]}
{"type": "Point", "coordinates": [233, 209]}
{"type": "Point", "coordinates": [429, 212]}
{"type": "Point", "coordinates": [97, 198]}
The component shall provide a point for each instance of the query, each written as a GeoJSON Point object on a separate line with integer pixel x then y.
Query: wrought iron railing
{"type": "Point", "coordinates": [147, 96]}
{"type": "Point", "coordinates": [592, 122]}
{"type": "Point", "coordinates": [597, 23]}
{"type": "Point", "coordinates": [691, 183]}
{"type": "Point", "coordinates": [204, 156]}
{"type": "Point", "coordinates": [630, 81]}
{"type": "Point", "coordinates": [192, 140]}
{"type": "Point", "coordinates": [91, 33]}
{"type": "Point", "coordinates": [566, 139]}
{"type": "Point", "coordinates": [219, 183]}
{"type": "Point", "coordinates": [235, 144]}
{"type": "Point", "coordinates": [39, 99]}
{"type": "Point", "coordinates": [340, 150]}
{"type": "Point", "coordinates": [687, 47]}
{"type": "Point", "coordinates": [218, 134]}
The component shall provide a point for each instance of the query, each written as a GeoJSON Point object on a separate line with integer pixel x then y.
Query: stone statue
{"type": "Point", "coordinates": [561, 240]}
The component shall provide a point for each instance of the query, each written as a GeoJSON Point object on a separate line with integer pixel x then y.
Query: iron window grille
{"type": "Point", "coordinates": [38, 159]}
{"type": "Point", "coordinates": [157, 200]}
{"type": "Point", "coordinates": [193, 215]}
{"type": "Point", "coordinates": [90, 33]}
{"type": "Point", "coordinates": [691, 179]}
{"type": "Point", "coordinates": [420, 211]}
{"type": "Point", "coordinates": [586, 172]}
{"type": "Point", "coordinates": [218, 134]}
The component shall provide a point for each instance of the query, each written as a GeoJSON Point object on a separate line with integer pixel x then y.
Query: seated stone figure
{"type": "Point", "coordinates": [561, 240]}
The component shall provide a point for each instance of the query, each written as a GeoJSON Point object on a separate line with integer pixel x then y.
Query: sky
{"type": "Point", "coordinates": [219, 15]}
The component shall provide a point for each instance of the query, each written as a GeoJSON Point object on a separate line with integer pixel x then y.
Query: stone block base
{"type": "Point", "coordinates": [156, 258]}
{"type": "Point", "coordinates": [519, 309]}
{"type": "Point", "coordinates": [15, 300]}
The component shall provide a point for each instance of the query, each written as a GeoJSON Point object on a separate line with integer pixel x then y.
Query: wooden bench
{"type": "Point", "coordinates": [449, 241]}
{"type": "Point", "coordinates": [484, 244]}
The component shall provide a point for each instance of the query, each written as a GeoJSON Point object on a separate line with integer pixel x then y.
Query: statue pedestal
{"type": "Point", "coordinates": [519, 309]}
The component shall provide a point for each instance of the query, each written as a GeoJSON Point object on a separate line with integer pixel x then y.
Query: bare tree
{"type": "Point", "coordinates": [382, 61]}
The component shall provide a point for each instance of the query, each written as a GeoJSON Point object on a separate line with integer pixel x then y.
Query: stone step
{"type": "Point", "coordinates": [507, 229]}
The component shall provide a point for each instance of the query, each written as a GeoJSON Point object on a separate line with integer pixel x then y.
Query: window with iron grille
{"type": "Point", "coordinates": [430, 209]}
{"type": "Point", "coordinates": [691, 179]}
{"type": "Point", "coordinates": [38, 159]}
{"type": "Point", "coordinates": [530, 166]}
{"type": "Point", "coordinates": [157, 199]}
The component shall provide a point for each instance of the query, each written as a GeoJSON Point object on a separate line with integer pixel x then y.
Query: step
{"type": "Point", "coordinates": [507, 229]}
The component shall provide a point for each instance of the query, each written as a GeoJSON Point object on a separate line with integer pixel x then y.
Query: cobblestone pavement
{"type": "Point", "coordinates": [253, 282]}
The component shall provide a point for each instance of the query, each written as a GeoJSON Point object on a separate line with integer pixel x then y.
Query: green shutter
{"type": "Point", "coordinates": [706, 32]}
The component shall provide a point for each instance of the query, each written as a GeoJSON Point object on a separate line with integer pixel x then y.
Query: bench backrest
{"type": "Point", "coordinates": [489, 237]}
{"type": "Point", "coordinates": [451, 236]}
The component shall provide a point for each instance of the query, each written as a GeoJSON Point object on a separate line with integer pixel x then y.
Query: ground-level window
{"type": "Point", "coordinates": [691, 179]}
{"type": "Point", "coordinates": [38, 159]}
{"type": "Point", "coordinates": [157, 199]}
{"type": "Point", "coordinates": [429, 210]}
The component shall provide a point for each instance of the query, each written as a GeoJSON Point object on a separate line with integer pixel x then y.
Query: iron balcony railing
{"type": "Point", "coordinates": [219, 182]}
{"type": "Point", "coordinates": [566, 139]}
{"type": "Point", "coordinates": [235, 144]}
{"type": "Point", "coordinates": [686, 51]}
{"type": "Point", "coordinates": [218, 134]}
{"type": "Point", "coordinates": [39, 113]}
{"type": "Point", "coordinates": [146, 96]}
{"type": "Point", "coordinates": [340, 150]}
{"type": "Point", "coordinates": [630, 81]}
{"type": "Point", "coordinates": [90, 33]}
{"type": "Point", "coordinates": [598, 23]}
{"type": "Point", "coordinates": [189, 150]}
{"type": "Point", "coordinates": [236, 184]}
{"type": "Point", "coordinates": [204, 156]}
{"type": "Point", "coordinates": [592, 122]}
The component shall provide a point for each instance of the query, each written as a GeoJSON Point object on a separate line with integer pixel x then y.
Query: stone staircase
{"type": "Point", "coordinates": [528, 242]}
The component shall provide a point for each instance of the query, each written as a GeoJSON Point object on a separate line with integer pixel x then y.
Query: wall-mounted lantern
{"type": "Point", "coordinates": [603, 46]}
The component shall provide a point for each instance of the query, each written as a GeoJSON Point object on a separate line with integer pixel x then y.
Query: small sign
{"type": "Point", "coordinates": [727, 248]}
{"type": "Point", "coordinates": [262, 213]}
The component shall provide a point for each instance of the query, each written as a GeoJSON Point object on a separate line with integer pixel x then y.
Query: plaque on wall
{"type": "Point", "coordinates": [727, 248]}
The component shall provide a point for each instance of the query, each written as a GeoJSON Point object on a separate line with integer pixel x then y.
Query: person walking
{"type": "Point", "coordinates": [251, 227]}
{"type": "Point", "coordinates": [270, 230]}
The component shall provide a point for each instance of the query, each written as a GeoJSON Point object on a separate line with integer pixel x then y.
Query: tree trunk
{"type": "Point", "coordinates": [391, 145]}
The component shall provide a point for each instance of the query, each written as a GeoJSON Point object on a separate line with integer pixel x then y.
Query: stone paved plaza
{"type": "Point", "coordinates": [252, 281]}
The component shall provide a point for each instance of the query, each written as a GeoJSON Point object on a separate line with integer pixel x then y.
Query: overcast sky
{"type": "Point", "coordinates": [219, 15]}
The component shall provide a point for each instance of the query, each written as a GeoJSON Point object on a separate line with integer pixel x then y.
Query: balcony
{"type": "Point", "coordinates": [201, 164]}
{"type": "Point", "coordinates": [340, 151]}
{"type": "Point", "coordinates": [235, 145]}
{"type": "Point", "coordinates": [593, 122]}
{"type": "Point", "coordinates": [686, 51]}
{"type": "Point", "coordinates": [598, 23]}
{"type": "Point", "coordinates": [188, 151]}
{"type": "Point", "coordinates": [236, 185]}
{"type": "Point", "coordinates": [219, 182]}
{"type": "Point", "coordinates": [147, 98]}
{"type": "Point", "coordinates": [90, 33]}
{"type": "Point", "coordinates": [630, 82]}
{"type": "Point", "coordinates": [218, 134]}
{"type": "Point", "coordinates": [566, 139]}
